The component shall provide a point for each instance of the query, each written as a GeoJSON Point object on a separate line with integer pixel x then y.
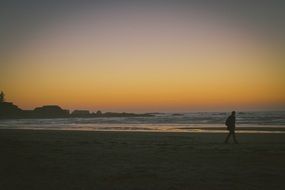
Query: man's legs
{"type": "Point", "coordinates": [234, 137]}
{"type": "Point", "coordinates": [231, 132]}
{"type": "Point", "coordinates": [228, 137]}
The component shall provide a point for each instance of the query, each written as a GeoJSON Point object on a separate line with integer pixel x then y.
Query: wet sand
{"type": "Point", "coordinates": [49, 160]}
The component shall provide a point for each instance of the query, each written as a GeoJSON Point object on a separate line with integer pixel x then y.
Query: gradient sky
{"type": "Point", "coordinates": [144, 56]}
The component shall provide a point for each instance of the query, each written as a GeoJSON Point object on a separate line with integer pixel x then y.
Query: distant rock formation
{"type": "Point", "coordinates": [123, 114]}
{"type": "Point", "coordinates": [10, 111]}
{"type": "Point", "coordinates": [98, 113]}
{"type": "Point", "coordinates": [50, 111]}
{"type": "Point", "coordinates": [80, 113]}
{"type": "Point", "coordinates": [177, 114]}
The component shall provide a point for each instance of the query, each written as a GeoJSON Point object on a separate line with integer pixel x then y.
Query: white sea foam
{"type": "Point", "coordinates": [247, 122]}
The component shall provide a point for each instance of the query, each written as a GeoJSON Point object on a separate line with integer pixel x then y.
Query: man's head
{"type": "Point", "coordinates": [233, 113]}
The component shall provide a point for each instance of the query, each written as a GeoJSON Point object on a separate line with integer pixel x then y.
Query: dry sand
{"type": "Point", "coordinates": [51, 160]}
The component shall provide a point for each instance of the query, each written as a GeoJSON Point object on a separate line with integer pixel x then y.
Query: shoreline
{"type": "Point", "coordinates": [150, 131]}
{"type": "Point", "coordinates": [155, 128]}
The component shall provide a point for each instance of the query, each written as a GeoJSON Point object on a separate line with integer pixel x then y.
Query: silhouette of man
{"type": "Point", "coordinates": [231, 126]}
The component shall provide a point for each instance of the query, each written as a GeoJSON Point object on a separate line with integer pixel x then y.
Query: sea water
{"type": "Point", "coordinates": [247, 122]}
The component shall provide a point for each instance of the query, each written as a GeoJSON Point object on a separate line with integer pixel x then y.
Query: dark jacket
{"type": "Point", "coordinates": [231, 122]}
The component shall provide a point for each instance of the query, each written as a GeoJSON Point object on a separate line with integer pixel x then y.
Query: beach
{"type": "Point", "coordinates": [43, 159]}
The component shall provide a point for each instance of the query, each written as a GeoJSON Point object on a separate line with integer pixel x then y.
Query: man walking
{"type": "Point", "coordinates": [231, 126]}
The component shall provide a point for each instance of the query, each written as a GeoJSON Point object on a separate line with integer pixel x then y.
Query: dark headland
{"type": "Point", "coordinates": [10, 111]}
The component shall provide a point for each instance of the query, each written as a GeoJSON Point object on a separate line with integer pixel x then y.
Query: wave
{"type": "Point", "coordinates": [173, 122]}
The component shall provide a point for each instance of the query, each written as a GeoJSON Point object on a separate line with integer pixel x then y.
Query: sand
{"type": "Point", "coordinates": [51, 160]}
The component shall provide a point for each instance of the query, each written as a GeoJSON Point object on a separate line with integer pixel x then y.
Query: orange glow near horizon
{"type": "Point", "coordinates": [138, 64]}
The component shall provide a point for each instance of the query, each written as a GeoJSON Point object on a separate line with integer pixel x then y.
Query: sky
{"type": "Point", "coordinates": [144, 56]}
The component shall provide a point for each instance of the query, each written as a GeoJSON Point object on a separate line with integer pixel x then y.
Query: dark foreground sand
{"type": "Point", "coordinates": [70, 160]}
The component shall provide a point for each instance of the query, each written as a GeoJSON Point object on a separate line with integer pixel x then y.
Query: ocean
{"type": "Point", "coordinates": [247, 122]}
